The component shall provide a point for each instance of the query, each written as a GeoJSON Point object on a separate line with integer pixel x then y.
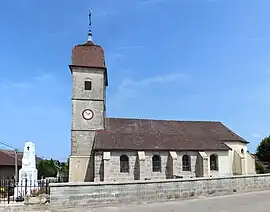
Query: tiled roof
{"type": "Point", "coordinates": [7, 158]}
{"type": "Point", "coordinates": [144, 134]}
{"type": "Point", "coordinates": [88, 55]}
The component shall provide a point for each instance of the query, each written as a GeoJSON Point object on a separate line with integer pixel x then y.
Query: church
{"type": "Point", "coordinates": [124, 149]}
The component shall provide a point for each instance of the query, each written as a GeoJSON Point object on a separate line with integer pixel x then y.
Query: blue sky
{"type": "Point", "coordinates": [166, 59]}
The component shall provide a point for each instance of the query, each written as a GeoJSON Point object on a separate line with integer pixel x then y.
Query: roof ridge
{"type": "Point", "coordinates": [233, 133]}
{"type": "Point", "coordinates": [165, 120]}
{"type": "Point", "coordinates": [5, 151]}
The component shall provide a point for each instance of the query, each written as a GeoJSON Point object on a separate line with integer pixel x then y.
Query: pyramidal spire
{"type": "Point", "coordinates": [90, 26]}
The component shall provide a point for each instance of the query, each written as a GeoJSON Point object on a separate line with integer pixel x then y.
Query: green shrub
{"type": "Point", "coordinates": [259, 168]}
{"type": "Point", "coordinates": [3, 192]}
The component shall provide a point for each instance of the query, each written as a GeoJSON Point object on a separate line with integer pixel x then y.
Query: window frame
{"type": "Point", "coordinates": [215, 166]}
{"type": "Point", "coordinates": [87, 84]}
{"type": "Point", "coordinates": [124, 164]}
{"type": "Point", "coordinates": [186, 163]}
{"type": "Point", "coordinates": [156, 163]}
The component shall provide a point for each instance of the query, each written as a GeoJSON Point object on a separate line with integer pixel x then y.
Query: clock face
{"type": "Point", "coordinates": [87, 114]}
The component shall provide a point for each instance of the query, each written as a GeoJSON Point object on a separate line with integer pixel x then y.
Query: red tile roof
{"type": "Point", "coordinates": [88, 55]}
{"type": "Point", "coordinates": [144, 134]}
{"type": "Point", "coordinates": [7, 158]}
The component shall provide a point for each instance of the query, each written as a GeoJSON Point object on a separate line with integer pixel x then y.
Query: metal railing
{"type": "Point", "coordinates": [12, 191]}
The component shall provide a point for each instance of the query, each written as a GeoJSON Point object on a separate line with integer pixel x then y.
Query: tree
{"type": "Point", "coordinates": [53, 168]}
{"type": "Point", "coordinates": [259, 168]}
{"type": "Point", "coordinates": [263, 150]}
{"type": "Point", "coordinates": [46, 168]}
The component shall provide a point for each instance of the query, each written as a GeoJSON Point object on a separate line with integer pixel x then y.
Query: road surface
{"type": "Point", "coordinates": [239, 202]}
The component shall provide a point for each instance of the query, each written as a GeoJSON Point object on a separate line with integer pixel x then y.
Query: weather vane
{"type": "Point", "coordinates": [90, 26]}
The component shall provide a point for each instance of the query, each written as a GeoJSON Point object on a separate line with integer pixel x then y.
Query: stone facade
{"type": "Point", "coordinates": [140, 167]}
{"type": "Point", "coordinates": [71, 195]}
{"type": "Point", "coordinates": [83, 131]}
{"type": "Point", "coordinates": [22, 208]}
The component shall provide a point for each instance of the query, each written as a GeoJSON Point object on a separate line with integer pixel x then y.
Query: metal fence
{"type": "Point", "coordinates": [12, 191]}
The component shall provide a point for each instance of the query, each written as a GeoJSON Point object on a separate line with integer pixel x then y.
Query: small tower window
{"type": "Point", "coordinates": [87, 85]}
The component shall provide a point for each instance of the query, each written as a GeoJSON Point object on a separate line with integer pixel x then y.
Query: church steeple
{"type": "Point", "coordinates": [89, 54]}
{"type": "Point", "coordinates": [89, 81]}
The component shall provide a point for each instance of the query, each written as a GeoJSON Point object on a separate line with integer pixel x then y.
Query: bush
{"type": "Point", "coordinates": [3, 192]}
{"type": "Point", "coordinates": [259, 168]}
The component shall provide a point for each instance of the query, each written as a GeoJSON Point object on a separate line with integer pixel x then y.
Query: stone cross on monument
{"type": "Point", "coordinates": [28, 172]}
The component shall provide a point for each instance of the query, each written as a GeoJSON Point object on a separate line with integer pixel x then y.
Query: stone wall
{"type": "Point", "coordinates": [251, 169]}
{"type": "Point", "coordinates": [83, 131]}
{"type": "Point", "coordinates": [68, 195]}
{"type": "Point", "coordinates": [22, 208]}
{"type": "Point", "coordinates": [141, 169]}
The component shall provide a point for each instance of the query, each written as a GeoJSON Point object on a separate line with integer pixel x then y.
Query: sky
{"type": "Point", "coordinates": [166, 59]}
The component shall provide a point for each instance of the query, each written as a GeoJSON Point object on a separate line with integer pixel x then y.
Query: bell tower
{"type": "Point", "coordinates": [89, 81]}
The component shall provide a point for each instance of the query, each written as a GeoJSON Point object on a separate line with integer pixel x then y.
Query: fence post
{"type": "Point", "coordinates": [46, 184]}
{"type": "Point", "coordinates": [8, 190]}
{"type": "Point", "coordinates": [1, 189]}
{"type": "Point", "coordinates": [25, 187]}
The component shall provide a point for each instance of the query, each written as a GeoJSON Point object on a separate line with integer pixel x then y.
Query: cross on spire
{"type": "Point", "coordinates": [90, 26]}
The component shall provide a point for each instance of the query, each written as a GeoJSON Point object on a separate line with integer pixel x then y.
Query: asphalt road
{"type": "Point", "coordinates": [238, 202]}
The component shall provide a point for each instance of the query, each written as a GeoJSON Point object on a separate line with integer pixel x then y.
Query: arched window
{"type": "Point", "coordinates": [242, 151]}
{"type": "Point", "coordinates": [214, 162]}
{"type": "Point", "coordinates": [156, 163]}
{"type": "Point", "coordinates": [186, 163]}
{"type": "Point", "coordinates": [124, 164]}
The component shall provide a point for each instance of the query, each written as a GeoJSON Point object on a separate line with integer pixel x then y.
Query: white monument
{"type": "Point", "coordinates": [28, 172]}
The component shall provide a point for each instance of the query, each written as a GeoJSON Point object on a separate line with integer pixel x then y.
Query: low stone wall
{"type": "Point", "coordinates": [23, 208]}
{"type": "Point", "coordinates": [71, 195]}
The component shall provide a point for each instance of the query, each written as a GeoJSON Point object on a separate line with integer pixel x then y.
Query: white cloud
{"type": "Point", "coordinates": [151, 1]}
{"type": "Point", "coordinates": [103, 13]}
{"type": "Point", "coordinates": [56, 34]}
{"type": "Point", "coordinates": [130, 47]}
{"type": "Point", "coordinates": [155, 79]}
{"type": "Point", "coordinates": [129, 88]}
{"type": "Point", "coordinates": [117, 54]}
{"type": "Point", "coordinates": [7, 85]}
{"type": "Point", "coordinates": [43, 76]}
{"type": "Point", "coordinates": [257, 38]}
{"type": "Point", "coordinates": [113, 58]}
{"type": "Point", "coordinates": [256, 135]}
{"type": "Point", "coordinates": [24, 84]}
{"type": "Point", "coordinates": [20, 84]}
